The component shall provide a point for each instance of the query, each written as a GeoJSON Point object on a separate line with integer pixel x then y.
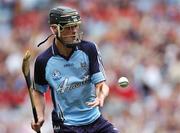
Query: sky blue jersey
{"type": "Point", "coordinates": [71, 80]}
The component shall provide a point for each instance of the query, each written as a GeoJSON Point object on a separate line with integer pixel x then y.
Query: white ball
{"type": "Point", "coordinates": [123, 82]}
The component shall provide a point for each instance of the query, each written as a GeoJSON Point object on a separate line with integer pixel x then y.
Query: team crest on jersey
{"type": "Point", "coordinates": [84, 65]}
{"type": "Point", "coordinates": [56, 75]}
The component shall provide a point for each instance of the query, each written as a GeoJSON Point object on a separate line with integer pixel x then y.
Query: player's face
{"type": "Point", "coordinates": [70, 33]}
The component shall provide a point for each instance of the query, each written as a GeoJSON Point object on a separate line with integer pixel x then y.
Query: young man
{"type": "Point", "coordinates": [73, 70]}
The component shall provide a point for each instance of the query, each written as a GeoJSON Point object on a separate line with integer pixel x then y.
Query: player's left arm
{"type": "Point", "coordinates": [102, 91]}
{"type": "Point", "coordinates": [97, 77]}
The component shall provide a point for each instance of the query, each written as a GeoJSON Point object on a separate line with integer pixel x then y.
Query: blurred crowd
{"type": "Point", "coordinates": [139, 39]}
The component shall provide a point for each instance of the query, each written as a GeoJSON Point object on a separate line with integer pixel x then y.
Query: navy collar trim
{"type": "Point", "coordinates": [56, 52]}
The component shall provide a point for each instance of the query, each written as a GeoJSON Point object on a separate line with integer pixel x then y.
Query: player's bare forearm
{"type": "Point", "coordinates": [40, 108]}
{"type": "Point", "coordinates": [39, 103]}
{"type": "Point", "coordinates": [102, 91]}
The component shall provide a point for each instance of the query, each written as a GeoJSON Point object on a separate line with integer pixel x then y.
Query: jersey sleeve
{"type": "Point", "coordinates": [41, 84]}
{"type": "Point", "coordinates": [96, 66]}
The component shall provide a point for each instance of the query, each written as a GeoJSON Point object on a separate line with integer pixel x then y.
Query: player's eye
{"type": "Point", "coordinates": [72, 27]}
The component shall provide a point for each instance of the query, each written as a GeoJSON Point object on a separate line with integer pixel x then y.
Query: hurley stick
{"type": "Point", "coordinates": [26, 73]}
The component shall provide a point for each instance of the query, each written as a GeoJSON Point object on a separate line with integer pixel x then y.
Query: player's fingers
{"type": "Point", "coordinates": [37, 126]}
{"type": "Point", "coordinates": [101, 103]}
{"type": "Point", "coordinates": [33, 126]}
{"type": "Point", "coordinates": [94, 103]}
{"type": "Point", "coordinates": [40, 121]}
{"type": "Point", "coordinates": [90, 103]}
{"type": "Point", "coordinates": [101, 100]}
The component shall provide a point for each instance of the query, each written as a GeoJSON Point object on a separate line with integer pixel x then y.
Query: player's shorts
{"type": "Point", "coordinates": [100, 125]}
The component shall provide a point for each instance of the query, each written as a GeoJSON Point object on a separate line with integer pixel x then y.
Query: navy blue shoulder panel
{"type": "Point", "coordinates": [40, 66]}
{"type": "Point", "coordinates": [90, 49]}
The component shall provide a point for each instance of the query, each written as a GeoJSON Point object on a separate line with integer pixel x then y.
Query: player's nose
{"type": "Point", "coordinates": [74, 29]}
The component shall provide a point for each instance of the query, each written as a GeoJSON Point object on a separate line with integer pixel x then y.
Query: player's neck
{"type": "Point", "coordinates": [62, 49]}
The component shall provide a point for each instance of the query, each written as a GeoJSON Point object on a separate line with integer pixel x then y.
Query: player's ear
{"type": "Point", "coordinates": [54, 29]}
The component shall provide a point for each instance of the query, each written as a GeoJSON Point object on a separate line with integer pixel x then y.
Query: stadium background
{"type": "Point", "coordinates": [139, 39]}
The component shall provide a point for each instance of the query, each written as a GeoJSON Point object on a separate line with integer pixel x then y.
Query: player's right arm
{"type": "Point", "coordinates": [40, 87]}
{"type": "Point", "coordinates": [40, 108]}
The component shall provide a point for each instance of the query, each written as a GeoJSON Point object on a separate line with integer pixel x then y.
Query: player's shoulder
{"type": "Point", "coordinates": [44, 55]}
{"type": "Point", "coordinates": [87, 45]}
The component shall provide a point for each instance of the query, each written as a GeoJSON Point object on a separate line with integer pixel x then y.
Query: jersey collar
{"type": "Point", "coordinates": [56, 52]}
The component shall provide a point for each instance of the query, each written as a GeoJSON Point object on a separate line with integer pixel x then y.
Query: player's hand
{"type": "Point", "coordinates": [102, 91]}
{"type": "Point", "coordinates": [99, 101]}
{"type": "Point", "coordinates": [36, 126]}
